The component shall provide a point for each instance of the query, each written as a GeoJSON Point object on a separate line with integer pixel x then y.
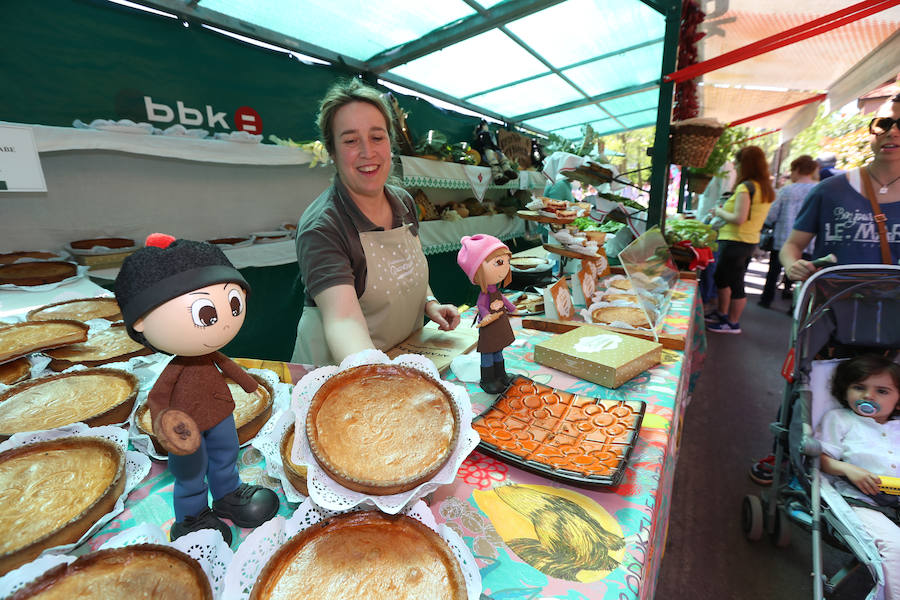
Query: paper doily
{"type": "Point", "coordinates": [268, 442]}
{"type": "Point", "coordinates": [206, 547]}
{"type": "Point", "coordinates": [329, 494]}
{"type": "Point", "coordinates": [256, 550]}
{"type": "Point", "coordinates": [137, 466]}
{"type": "Point", "coordinates": [143, 443]}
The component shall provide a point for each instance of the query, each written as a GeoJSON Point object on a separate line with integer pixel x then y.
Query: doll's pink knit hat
{"type": "Point", "coordinates": [476, 248]}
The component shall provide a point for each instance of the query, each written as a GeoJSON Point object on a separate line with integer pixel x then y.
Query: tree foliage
{"type": "Point", "coordinates": [846, 136]}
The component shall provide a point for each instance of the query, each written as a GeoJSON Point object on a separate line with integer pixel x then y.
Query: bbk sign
{"type": "Point", "coordinates": [244, 118]}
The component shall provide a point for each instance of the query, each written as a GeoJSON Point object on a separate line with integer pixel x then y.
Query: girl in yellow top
{"type": "Point", "coordinates": [743, 213]}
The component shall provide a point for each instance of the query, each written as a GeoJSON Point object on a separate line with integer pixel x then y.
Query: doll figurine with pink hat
{"type": "Point", "coordinates": [485, 260]}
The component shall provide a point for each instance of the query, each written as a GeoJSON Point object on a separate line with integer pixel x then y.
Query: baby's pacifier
{"type": "Point", "coordinates": [866, 407]}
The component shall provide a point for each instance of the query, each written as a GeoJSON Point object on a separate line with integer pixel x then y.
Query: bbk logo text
{"type": "Point", "coordinates": [245, 118]}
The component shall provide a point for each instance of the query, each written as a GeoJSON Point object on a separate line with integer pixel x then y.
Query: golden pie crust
{"type": "Point", "coordinates": [139, 571]}
{"type": "Point", "coordinates": [52, 492]}
{"type": "Point", "coordinates": [15, 371]}
{"type": "Point", "coordinates": [620, 298]}
{"type": "Point", "coordinates": [632, 315]}
{"type": "Point", "coordinates": [37, 272]}
{"type": "Point", "coordinates": [621, 284]}
{"type": "Point", "coordinates": [21, 339]}
{"type": "Point", "coordinates": [92, 396]}
{"type": "Point", "coordinates": [110, 345]}
{"type": "Point", "coordinates": [382, 429]}
{"type": "Point", "coordinates": [82, 309]}
{"type": "Point", "coordinates": [11, 257]}
{"type": "Point", "coordinates": [295, 473]}
{"type": "Point", "coordinates": [363, 555]}
{"type": "Point", "coordinates": [251, 411]}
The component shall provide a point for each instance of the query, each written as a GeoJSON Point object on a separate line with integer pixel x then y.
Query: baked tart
{"type": "Point", "coordinates": [363, 555]}
{"type": "Point", "coordinates": [620, 298]}
{"type": "Point", "coordinates": [52, 492]}
{"type": "Point", "coordinates": [21, 339]}
{"type": "Point", "coordinates": [251, 411]}
{"type": "Point", "coordinates": [10, 257]}
{"type": "Point", "coordinates": [632, 315]}
{"type": "Point", "coordinates": [382, 429]}
{"type": "Point", "coordinates": [621, 284]}
{"type": "Point", "coordinates": [92, 396]}
{"type": "Point", "coordinates": [110, 345]}
{"type": "Point", "coordinates": [295, 473]}
{"type": "Point", "coordinates": [15, 371]}
{"type": "Point", "coordinates": [81, 309]}
{"type": "Point", "coordinates": [110, 242]}
{"type": "Point", "coordinates": [139, 571]}
{"type": "Point", "coordinates": [37, 272]}
{"type": "Point", "coordinates": [229, 241]}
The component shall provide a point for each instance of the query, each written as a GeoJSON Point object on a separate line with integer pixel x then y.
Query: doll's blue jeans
{"type": "Point", "coordinates": [491, 358]}
{"type": "Point", "coordinates": [213, 467]}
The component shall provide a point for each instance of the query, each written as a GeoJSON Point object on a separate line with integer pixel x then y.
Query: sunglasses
{"type": "Point", "coordinates": [881, 125]}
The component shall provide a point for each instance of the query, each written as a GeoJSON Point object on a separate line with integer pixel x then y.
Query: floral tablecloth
{"type": "Point", "coordinates": [534, 537]}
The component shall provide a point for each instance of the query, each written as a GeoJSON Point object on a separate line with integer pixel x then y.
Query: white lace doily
{"type": "Point", "coordinates": [268, 442]}
{"type": "Point", "coordinates": [206, 547]}
{"type": "Point", "coordinates": [256, 550]}
{"type": "Point", "coordinates": [137, 466]}
{"type": "Point", "coordinates": [329, 494]}
{"type": "Point", "coordinates": [142, 442]}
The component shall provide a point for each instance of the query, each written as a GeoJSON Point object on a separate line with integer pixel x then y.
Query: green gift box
{"type": "Point", "coordinates": [597, 354]}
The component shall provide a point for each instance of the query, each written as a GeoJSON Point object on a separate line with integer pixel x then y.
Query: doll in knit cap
{"type": "Point", "coordinates": [485, 260]}
{"type": "Point", "coordinates": [185, 298]}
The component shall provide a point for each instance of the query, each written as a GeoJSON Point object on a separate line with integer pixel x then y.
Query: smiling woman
{"type": "Point", "coordinates": [360, 257]}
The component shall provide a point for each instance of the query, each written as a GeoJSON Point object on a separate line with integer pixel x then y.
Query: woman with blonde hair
{"type": "Point", "coordinates": [743, 213]}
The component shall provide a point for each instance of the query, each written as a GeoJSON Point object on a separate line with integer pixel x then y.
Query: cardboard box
{"type": "Point", "coordinates": [599, 355]}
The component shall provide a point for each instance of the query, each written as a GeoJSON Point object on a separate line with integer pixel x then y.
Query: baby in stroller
{"type": "Point", "coordinates": [861, 442]}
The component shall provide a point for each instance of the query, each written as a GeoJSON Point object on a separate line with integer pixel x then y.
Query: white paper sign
{"type": "Point", "coordinates": [20, 165]}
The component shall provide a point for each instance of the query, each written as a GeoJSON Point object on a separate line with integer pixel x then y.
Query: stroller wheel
{"type": "Point", "coordinates": [781, 530]}
{"type": "Point", "coordinates": [752, 517]}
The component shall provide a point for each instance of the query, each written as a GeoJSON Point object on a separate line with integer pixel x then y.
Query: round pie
{"type": "Point", "coordinates": [251, 411]}
{"type": "Point", "coordinates": [382, 429]}
{"type": "Point", "coordinates": [621, 284]}
{"type": "Point", "coordinates": [37, 272]}
{"type": "Point", "coordinates": [52, 492]}
{"type": "Point", "coordinates": [21, 339]}
{"type": "Point", "coordinates": [363, 555]}
{"type": "Point", "coordinates": [92, 396]}
{"type": "Point", "coordinates": [82, 309]}
{"type": "Point", "coordinates": [110, 345]}
{"type": "Point", "coordinates": [228, 241]}
{"type": "Point", "coordinates": [295, 473]}
{"type": "Point", "coordinates": [15, 371]}
{"type": "Point", "coordinates": [632, 315]}
{"type": "Point", "coordinates": [524, 263]}
{"type": "Point", "coordinates": [11, 257]}
{"type": "Point", "coordinates": [102, 243]}
{"type": "Point", "coordinates": [620, 298]}
{"type": "Point", "coordinates": [139, 571]}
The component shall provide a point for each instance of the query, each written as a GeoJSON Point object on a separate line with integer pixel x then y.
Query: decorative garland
{"type": "Point", "coordinates": [686, 104]}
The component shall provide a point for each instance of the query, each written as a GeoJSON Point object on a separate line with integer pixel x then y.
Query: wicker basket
{"type": "Point", "coordinates": [693, 143]}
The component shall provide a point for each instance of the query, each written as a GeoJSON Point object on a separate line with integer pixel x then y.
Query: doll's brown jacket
{"type": "Point", "coordinates": [194, 385]}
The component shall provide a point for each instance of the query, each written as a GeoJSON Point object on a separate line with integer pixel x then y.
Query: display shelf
{"type": "Point", "coordinates": [426, 173]}
{"type": "Point", "coordinates": [57, 139]}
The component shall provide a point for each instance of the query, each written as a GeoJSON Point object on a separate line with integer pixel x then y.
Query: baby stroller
{"type": "Point", "coordinates": [840, 312]}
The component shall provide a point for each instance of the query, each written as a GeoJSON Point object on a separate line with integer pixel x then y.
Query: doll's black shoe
{"type": "Point", "coordinates": [502, 376]}
{"type": "Point", "coordinates": [248, 505]}
{"type": "Point", "coordinates": [205, 520]}
{"type": "Point", "coordinates": [489, 381]}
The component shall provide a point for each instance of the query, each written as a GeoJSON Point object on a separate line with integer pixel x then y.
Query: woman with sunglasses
{"type": "Point", "coordinates": [838, 214]}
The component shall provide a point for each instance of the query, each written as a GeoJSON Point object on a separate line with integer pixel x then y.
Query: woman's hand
{"type": "Point", "coordinates": [445, 315]}
{"type": "Point", "coordinates": [800, 270]}
{"type": "Point", "coordinates": [866, 481]}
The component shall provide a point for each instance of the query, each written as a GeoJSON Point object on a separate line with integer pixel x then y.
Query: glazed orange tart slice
{"type": "Point", "coordinates": [251, 411]}
{"type": "Point", "coordinates": [139, 571]}
{"type": "Point", "coordinates": [15, 371]}
{"type": "Point", "coordinates": [82, 309]}
{"type": "Point", "coordinates": [382, 429]}
{"type": "Point", "coordinates": [110, 345]}
{"type": "Point", "coordinates": [363, 555]}
{"type": "Point", "coordinates": [52, 492]}
{"type": "Point", "coordinates": [92, 396]}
